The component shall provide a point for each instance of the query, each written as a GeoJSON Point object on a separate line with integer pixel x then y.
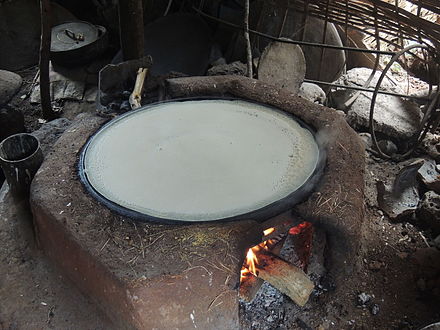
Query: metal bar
{"type": "Point", "coordinates": [364, 89]}
{"type": "Point", "coordinates": [295, 42]}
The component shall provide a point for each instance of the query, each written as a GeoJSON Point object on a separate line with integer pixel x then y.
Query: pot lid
{"type": "Point", "coordinates": [199, 160]}
{"type": "Point", "coordinates": [73, 35]}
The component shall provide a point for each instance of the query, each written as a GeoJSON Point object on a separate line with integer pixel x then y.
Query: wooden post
{"type": "Point", "coordinates": [45, 16]}
{"type": "Point", "coordinates": [131, 29]}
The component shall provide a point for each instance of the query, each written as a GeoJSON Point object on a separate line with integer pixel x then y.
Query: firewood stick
{"type": "Point", "coordinates": [136, 95]}
{"type": "Point", "coordinates": [251, 284]}
{"type": "Point", "coordinates": [286, 277]}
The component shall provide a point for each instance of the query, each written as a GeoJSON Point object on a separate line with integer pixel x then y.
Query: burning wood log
{"type": "Point", "coordinates": [272, 245]}
{"type": "Point", "coordinates": [250, 284]}
{"type": "Point", "coordinates": [286, 277]}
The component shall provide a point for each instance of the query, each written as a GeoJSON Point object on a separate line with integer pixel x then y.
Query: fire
{"type": "Point", "coordinates": [251, 261]}
{"type": "Point", "coordinates": [297, 229]}
{"type": "Point", "coordinates": [268, 231]}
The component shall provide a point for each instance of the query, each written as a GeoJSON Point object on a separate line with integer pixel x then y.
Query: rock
{"type": "Point", "coordinates": [387, 147]}
{"type": "Point", "coordinates": [431, 146]}
{"type": "Point", "coordinates": [367, 139]}
{"type": "Point", "coordinates": [429, 175]}
{"type": "Point", "coordinates": [11, 122]}
{"type": "Point", "coordinates": [282, 65]}
{"type": "Point", "coordinates": [10, 83]}
{"type": "Point", "coordinates": [429, 212]}
{"type": "Point", "coordinates": [374, 309]}
{"type": "Point", "coordinates": [401, 200]}
{"type": "Point", "coordinates": [363, 299]}
{"type": "Point", "coordinates": [234, 68]}
{"type": "Point", "coordinates": [312, 92]}
{"type": "Point", "coordinates": [49, 133]}
{"type": "Point", "coordinates": [274, 22]}
{"type": "Point", "coordinates": [393, 116]}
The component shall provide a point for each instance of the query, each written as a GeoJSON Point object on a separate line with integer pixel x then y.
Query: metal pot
{"type": "Point", "coordinates": [75, 43]}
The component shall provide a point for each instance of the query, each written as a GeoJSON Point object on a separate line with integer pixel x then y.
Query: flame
{"type": "Point", "coordinates": [297, 229]}
{"type": "Point", "coordinates": [268, 231]}
{"type": "Point", "coordinates": [251, 261]}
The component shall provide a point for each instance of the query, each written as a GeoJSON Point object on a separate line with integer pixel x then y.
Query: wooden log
{"type": "Point", "coordinates": [286, 277]}
{"type": "Point", "coordinates": [131, 29]}
{"type": "Point", "coordinates": [250, 284]}
{"type": "Point", "coordinates": [249, 287]}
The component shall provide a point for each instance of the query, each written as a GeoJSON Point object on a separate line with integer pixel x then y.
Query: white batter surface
{"type": "Point", "coordinates": [200, 160]}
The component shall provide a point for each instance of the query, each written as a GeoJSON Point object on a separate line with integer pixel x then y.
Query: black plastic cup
{"type": "Point", "coordinates": [20, 159]}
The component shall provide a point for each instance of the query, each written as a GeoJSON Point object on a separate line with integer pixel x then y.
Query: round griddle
{"type": "Point", "coordinates": [201, 160]}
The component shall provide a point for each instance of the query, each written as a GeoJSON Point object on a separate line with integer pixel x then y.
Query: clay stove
{"type": "Point", "coordinates": [151, 275]}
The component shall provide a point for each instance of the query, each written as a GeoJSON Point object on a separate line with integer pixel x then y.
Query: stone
{"type": "Point", "coordinates": [234, 68]}
{"type": "Point", "coordinates": [388, 147]}
{"type": "Point", "coordinates": [401, 200]}
{"type": "Point", "coordinates": [312, 92]}
{"type": "Point", "coordinates": [429, 212]}
{"type": "Point", "coordinates": [394, 116]}
{"type": "Point", "coordinates": [431, 146]}
{"type": "Point", "coordinates": [49, 133]}
{"type": "Point", "coordinates": [282, 65]}
{"type": "Point", "coordinates": [363, 299]}
{"type": "Point", "coordinates": [429, 175]}
{"type": "Point", "coordinates": [273, 21]}
{"type": "Point", "coordinates": [367, 139]}
{"type": "Point", "coordinates": [10, 83]}
{"type": "Point", "coordinates": [374, 309]}
{"type": "Point", "coordinates": [11, 122]}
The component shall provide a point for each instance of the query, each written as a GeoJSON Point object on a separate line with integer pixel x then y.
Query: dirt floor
{"type": "Point", "coordinates": [399, 276]}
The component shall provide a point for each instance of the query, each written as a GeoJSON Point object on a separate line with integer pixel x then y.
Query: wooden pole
{"type": "Point", "coordinates": [131, 29]}
{"type": "Point", "coordinates": [45, 16]}
{"type": "Point", "coordinates": [248, 41]}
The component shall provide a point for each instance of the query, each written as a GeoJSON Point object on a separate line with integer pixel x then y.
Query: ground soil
{"type": "Point", "coordinates": [399, 271]}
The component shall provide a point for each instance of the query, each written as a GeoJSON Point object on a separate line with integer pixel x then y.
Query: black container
{"type": "Point", "coordinates": [20, 159]}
